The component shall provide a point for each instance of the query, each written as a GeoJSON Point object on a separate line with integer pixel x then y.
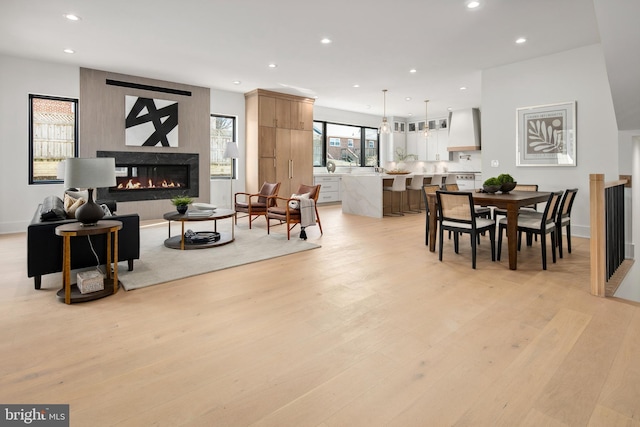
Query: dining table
{"type": "Point", "coordinates": [511, 202]}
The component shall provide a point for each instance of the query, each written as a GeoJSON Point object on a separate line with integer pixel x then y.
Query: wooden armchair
{"type": "Point", "coordinates": [255, 205]}
{"type": "Point", "coordinates": [286, 214]}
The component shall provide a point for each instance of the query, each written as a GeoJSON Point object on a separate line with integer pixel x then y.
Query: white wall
{"type": "Point", "coordinates": [576, 75]}
{"type": "Point", "coordinates": [18, 78]}
{"type": "Point", "coordinates": [229, 104]}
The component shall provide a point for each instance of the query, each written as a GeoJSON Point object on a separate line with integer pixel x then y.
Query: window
{"type": "Point", "coordinates": [222, 131]}
{"type": "Point", "coordinates": [360, 148]}
{"type": "Point", "coordinates": [53, 136]}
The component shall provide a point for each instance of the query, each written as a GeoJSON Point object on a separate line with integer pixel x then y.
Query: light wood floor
{"type": "Point", "coordinates": [369, 330]}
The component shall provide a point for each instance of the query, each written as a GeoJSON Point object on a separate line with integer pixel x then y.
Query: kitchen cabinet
{"type": "Point", "coordinates": [279, 140]}
{"type": "Point", "coordinates": [416, 144]}
{"type": "Point", "coordinates": [330, 188]}
{"type": "Point", "coordinates": [437, 145]}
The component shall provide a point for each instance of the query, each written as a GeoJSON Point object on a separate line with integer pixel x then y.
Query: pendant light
{"type": "Point", "coordinates": [385, 128]}
{"type": "Point", "coordinates": [426, 119]}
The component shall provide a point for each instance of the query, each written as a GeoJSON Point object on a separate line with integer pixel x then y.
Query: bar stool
{"type": "Point", "coordinates": [416, 184]}
{"type": "Point", "coordinates": [399, 186]}
{"type": "Point", "coordinates": [437, 179]}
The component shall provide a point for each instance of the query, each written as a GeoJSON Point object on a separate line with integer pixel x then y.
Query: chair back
{"type": "Point", "coordinates": [313, 190]}
{"type": "Point", "coordinates": [416, 183]}
{"type": "Point", "coordinates": [564, 211]}
{"type": "Point", "coordinates": [437, 179]}
{"type": "Point", "coordinates": [399, 183]}
{"type": "Point", "coordinates": [455, 206]}
{"type": "Point", "coordinates": [268, 189]}
{"type": "Point", "coordinates": [451, 187]}
{"type": "Point", "coordinates": [526, 187]}
{"type": "Point", "coordinates": [429, 189]}
{"type": "Point", "coordinates": [551, 209]}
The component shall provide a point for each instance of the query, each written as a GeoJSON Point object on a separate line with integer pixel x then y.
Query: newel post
{"type": "Point", "coordinates": [597, 241]}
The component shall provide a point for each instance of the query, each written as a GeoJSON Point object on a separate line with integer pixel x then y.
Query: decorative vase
{"type": "Point", "coordinates": [182, 209]}
{"type": "Point", "coordinates": [507, 186]}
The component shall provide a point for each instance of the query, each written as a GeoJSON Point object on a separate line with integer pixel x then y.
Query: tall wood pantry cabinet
{"type": "Point", "coordinates": [279, 132]}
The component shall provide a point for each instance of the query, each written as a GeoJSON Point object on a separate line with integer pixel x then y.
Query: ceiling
{"type": "Point", "coordinates": [214, 43]}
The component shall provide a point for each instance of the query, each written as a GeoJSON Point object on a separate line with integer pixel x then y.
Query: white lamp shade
{"type": "Point", "coordinates": [90, 172]}
{"type": "Point", "coordinates": [231, 151]}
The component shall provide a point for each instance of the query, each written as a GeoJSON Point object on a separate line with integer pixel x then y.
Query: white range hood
{"type": "Point", "coordinates": [464, 130]}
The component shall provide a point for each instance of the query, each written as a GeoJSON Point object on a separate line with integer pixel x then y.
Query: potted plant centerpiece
{"type": "Point", "coordinates": [507, 183]}
{"type": "Point", "coordinates": [181, 203]}
{"type": "Point", "coordinates": [491, 185]}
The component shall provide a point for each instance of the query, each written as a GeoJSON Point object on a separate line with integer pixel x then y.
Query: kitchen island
{"type": "Point", "coordinates": [362, 194]}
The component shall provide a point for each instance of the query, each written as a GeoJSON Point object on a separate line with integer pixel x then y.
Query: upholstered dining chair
{"type": "Point", "coordinates": [428, 189]}
{"type": "Point", "coordinates": [525, 209]}
{"type": "Point", "coordinates": [481, 211]}
{"type": "Point", "coordinates": [255, 205]}
{"type": "Point", "coordinates": [563, 218]}
{"type": "Point", "coordinates": [538, 225]}
{"type": "Point", "coordinates": [291, 216]}
{"type": "Point", "coordinates": [457, 215]}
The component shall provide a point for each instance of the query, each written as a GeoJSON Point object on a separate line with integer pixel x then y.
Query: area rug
{"type": "Point", "coordinates": [159, 264]}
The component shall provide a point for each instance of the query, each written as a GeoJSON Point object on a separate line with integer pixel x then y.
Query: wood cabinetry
{"type": "Point", "coordinates": [279, 140]}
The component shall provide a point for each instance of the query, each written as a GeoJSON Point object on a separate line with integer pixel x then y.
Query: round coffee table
{"type": "Point", "coordinates": [178, 242]}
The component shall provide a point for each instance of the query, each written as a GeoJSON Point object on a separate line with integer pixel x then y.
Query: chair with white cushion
{"type": "Point", "coordinates": [457, 215]}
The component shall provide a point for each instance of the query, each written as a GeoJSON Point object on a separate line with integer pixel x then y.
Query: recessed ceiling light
{"type": "Point", "coordinates": [356, 85]}
{"type": "Point", "coordinates": [408, 98]}
{"type": "Point", "coordinates": [410, 114]}
{"type": "Point", "coordinates": [413, 70]}
{"type": "Point", "coordinates": [69, 51]}
{"type": "Point", "coordinates": [71, 17]}
{"type": "Point", "coordinates": [273, 65]}
{"type": "Point", "coordinates": [521, 40]}
{"type": "Point", "coordinates": [463, 88]}
{"type": "Point", "coordinates": [325, 40]}
{"type": "Point", "coordinates": [473, 4]}
{"type": "Point", "coordinates": [449, 108]}
{"type": "Point", "coordinates": [315, 97]}
{"type": "Point", "coordinates": [237, 82]}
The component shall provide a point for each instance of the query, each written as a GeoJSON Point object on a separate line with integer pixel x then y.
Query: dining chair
{"type": "Point", "coordinates": [428, 189]}
{"type": "Point", "coordinates": [456, 214]}
{"type": "Point", "coordinates": [416, 184]}
{"type": "Point", "coordinates": [519, 187]}
{"type": "Point", "coordinates": [537, 225]}
{"type": "Point", "coordinates": [563, 218]}
{"type": "Point", "coordinates": [399, 186]}
{"type": "Point", "coordinates": [255, 205]}
{"type": "Point", "coordinates": [481, 211]}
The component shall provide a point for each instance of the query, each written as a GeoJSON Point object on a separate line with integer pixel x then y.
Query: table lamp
{"type": "Point", "coordinates": [90, 173]}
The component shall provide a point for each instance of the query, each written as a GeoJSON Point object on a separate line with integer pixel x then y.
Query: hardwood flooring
{"type": "Point", "coordinates": [369, 330]}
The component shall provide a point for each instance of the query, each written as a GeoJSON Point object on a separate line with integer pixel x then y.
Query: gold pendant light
{"type": "Point", "coordinates": [426, 119]}
{"type": "Point", "coordinates": [385, 128]}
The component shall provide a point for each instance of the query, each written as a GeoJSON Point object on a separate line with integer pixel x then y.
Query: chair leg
{"type": "Point", "coordinates": [543, 243]}
{"type": "Point", "coordinates": [559, 240]}
{"type": "Point", "coordinates": [441, 235]}
{"type": "Point", "coordinates": [318, 220]}
{"type": "Point", "coordinates": [426, 229]}
{"type": "Point", "coordinates": [473, 251]}
{"type": "Point", "coordinates": [456, 242]}
{"type": "Point", "coordinates": [569, 238]}
{"type": "Point", "coordinates": [553, 246]}
{"type": "Point", "coordinates": [500, 228]}
{"type": "Point", "coordinates": [492, 240]}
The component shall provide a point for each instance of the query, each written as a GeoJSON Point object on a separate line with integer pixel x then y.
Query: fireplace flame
{"type": "Point", "coordinates": [132, 184]}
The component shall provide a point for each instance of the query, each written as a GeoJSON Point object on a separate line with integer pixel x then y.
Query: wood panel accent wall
{"type": "Point", "coordinates": [102, 117]}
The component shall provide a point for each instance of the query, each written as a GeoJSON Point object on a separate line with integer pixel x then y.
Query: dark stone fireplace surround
{"type": "Point", "coordinates": [138, 158]}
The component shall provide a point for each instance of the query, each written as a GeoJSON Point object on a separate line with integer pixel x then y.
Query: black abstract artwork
{"type": "Point", "coordinates": [151, 122]}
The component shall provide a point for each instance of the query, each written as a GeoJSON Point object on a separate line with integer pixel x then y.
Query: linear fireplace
{"type": "Point", "coordinates": [152, 176]}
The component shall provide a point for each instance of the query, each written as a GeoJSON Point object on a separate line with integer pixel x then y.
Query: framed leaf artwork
{"type": "Point", "coordinates": [546, 135]}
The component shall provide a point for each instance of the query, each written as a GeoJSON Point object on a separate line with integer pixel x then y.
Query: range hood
{"type": "Point", "coordinates": [464, 130]}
